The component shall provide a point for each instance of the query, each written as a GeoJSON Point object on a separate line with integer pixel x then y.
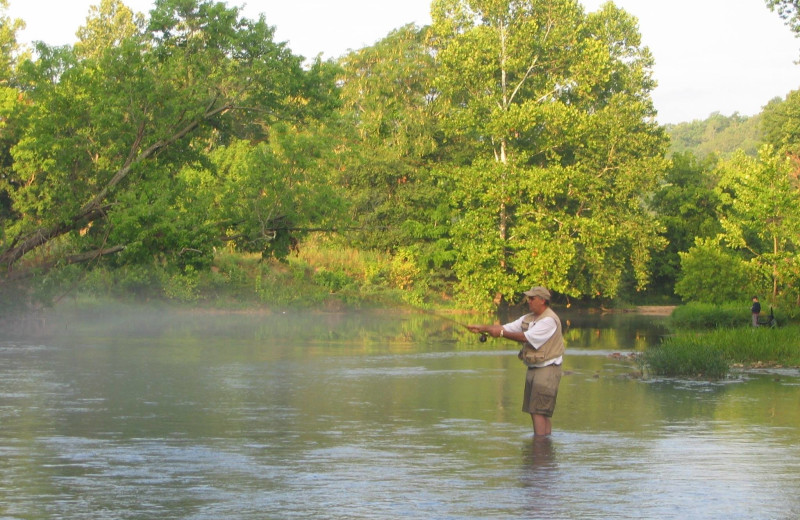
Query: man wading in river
{"type": "Point", "coordinates": [542, 351]}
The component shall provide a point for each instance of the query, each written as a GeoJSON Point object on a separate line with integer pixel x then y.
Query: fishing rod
{"type": "Point", "coordinates": [483, 335]}
{"type": "Point", "coordinates": [482, 339]}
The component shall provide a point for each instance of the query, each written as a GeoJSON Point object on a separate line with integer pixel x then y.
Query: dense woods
{"type": "Point", "coordinates": [510, 143]}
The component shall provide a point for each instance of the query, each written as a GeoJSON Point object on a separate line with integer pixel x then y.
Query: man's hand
{"type": "Point", "coordinates": [492, 330]}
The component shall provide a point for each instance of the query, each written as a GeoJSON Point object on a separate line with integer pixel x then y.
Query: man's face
{"type": "Point", "coordinates": [536, 304]}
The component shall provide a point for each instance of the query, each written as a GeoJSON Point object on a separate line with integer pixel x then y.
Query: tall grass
{"type": "Point", "coordinates": [778, 346]}
{"type": "Point", "coordinates": [687, 356]}
{"type": "Point", "coordinates": [711, 354]}
{"type": "Point", "coordinates": [710, 316]}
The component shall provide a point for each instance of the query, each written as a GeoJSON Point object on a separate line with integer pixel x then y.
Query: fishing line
{"type": "Point", "coordinates": [482, 339]}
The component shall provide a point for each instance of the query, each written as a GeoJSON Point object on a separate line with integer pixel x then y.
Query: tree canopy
{"type": "Point", "coordinates": [510, 143]}
{"type": "Point", "coordinates": [115, 126]}
{"type": "Point", "coordinates": [556, 106]}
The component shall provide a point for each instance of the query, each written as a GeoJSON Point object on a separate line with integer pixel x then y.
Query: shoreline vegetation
{"type": "Point", "coordinates": [708, 341]}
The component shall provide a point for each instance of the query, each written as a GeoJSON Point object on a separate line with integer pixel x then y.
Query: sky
{"type": "Point", "coordinates": [726, 56]}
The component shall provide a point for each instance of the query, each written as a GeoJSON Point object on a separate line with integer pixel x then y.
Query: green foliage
{"type": "Point", "coordinates": [710, 273]}
{"type": "Point", "coordinates": [555, 105]}
{"type": "Point", "coordinates": [12, 112]}
{"type": "Point", "coordinates": [695, 315]}
{"type": "Point", "coordinates": [118, 132]}
{"type": "Point", "coordinates": [781, 124]}
{"type": "Point", "coordinates": [756, 250]}
{"type": "Point", "coordinates": [125, 281]}
{"type": "Point", "coordinates": [760, 216]}
{"type": "Point", "coordinates": [334, 281]}
{"type": "Point", "coordinates": [717, 135]}
{"type": "Point", "coordinates": [393, 141]}
{"type": "Point", "coordinates": [689, 356]}
{"type": "Point", "coordinates": [510, 143]}
{"type": "Point", "coordinates": [182, 286]}
{"type": "Point", "coordinates": [789, 11]}
{"type": "Point", "coordinates": [266, 193]}
{"type": "Point", "coordinates": [9, 48]}
{"type": "Point", "coordinates": [108, 24]}
{"type": "Point", "coordinates": [711, 354]}
{"type": "Point", "coordinates": [687, 206]}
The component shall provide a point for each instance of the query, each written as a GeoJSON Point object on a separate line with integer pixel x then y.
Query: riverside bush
{"type": "Point", "coordinates": [688, 355]}
{"type": "Point", "coordinates": [712, 353]}
{"type": "Point", "coordinates": [778, 346]}
{"type": "Point", "coordinates": [710, 316]}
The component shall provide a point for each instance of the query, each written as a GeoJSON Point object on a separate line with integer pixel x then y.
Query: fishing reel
{"type": "Point", "coordinates": [483, 337]}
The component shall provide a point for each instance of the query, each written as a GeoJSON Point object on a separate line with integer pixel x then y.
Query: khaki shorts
{"type": "Point", "coordinates": [541, 389]}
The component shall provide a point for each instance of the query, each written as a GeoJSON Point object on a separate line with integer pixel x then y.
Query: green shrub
{"type": "Point", "coordinates": [711, 353]}
{"type": "Point", "coordinates": [375, 273]}
{"type": "Point", "coordinates": [687, 356]}
{"type": "Point", "coordinates": [334, 281]}
{"type": "Point", "coordinates": [708, 315]}
{"type": "Point", "coordinates": [134, 279]}
{"type": "Point", "coordinates": [181, 286]}
{"type": "Point", "coordinates": [711, 273]}
{"type": "Point", "coordinates": [761, 345]}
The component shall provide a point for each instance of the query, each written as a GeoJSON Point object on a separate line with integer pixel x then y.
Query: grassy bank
{"type": "Point", "coordinates": [708, 340]}
{"type": "Point", "coordinates": [321, 274]}
{"type": "Point", "coordinates": [711, 354]}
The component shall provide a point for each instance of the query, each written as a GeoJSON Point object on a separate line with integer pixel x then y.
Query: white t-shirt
{"type": "Point", "coordinates": [537, 334]}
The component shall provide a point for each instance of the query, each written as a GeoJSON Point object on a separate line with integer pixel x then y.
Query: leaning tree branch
{"type": "Point", "coordinates": [42, 235]}
{"type": "Point", "coordinates": [72, 259]}
{"type": "Point", "coordinates": [95, 208]}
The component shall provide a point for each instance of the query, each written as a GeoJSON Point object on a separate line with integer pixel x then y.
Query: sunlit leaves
{"type": "Point", "coordinates": [758, 212]}
{"type": "Point", "coordinates": [115, 122]}
{"type": "Point", "coordinates": [789, 11]}
{"type": "Point", "coordinates": [391, 154]}
{"type": "Point", "coordinates": [107, 25]}
{"type": "Point", "coordinates": [555, 104]}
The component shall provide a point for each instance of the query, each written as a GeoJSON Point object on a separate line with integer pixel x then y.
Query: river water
{"type": "Point", "coordinates": [165, 415]}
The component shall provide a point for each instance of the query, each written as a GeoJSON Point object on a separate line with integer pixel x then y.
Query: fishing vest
{"type": "Point", "coordinates": [551, 349]}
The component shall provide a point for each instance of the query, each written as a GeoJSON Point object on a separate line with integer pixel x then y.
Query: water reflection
{"type": "Point", "coordinates": [537, 454]}
{"type": "Point", "coordinates": [374, 416]}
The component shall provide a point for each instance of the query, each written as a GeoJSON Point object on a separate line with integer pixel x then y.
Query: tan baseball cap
{"type": "Point", "coordinates": [541, 292]}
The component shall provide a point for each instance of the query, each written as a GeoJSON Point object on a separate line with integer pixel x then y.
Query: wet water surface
{"type": "Point", "coordinates": [375, 416]}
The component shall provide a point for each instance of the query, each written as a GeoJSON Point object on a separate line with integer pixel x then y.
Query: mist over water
{"type": "Point", "coordinates": [155, 413]}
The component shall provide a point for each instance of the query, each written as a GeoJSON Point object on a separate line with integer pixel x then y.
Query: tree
{"type": "Point", "coordinates": [269, 194]}
{"type": "Point", "coordinates": [789, 11]}
{"type": "Point", "coordinates": [781, 125]}
{"type": "Point", "coordinates": [11, 107]}
{"type": "Point", "coordinates": [389, 102]}
{"type": "Point", "coordinates": [556, 105]}
{"type": "Point", "coordinates": [107, 25]}
{"type": "Point", "coordinates": [713, 273]}
{"type": "Point", "coordinates": [718, 134]}
{"type": "Point", "coordinates": [687, 205]}
{"type": "Point", "coordinates": [760, 218]}
{"type": "Point", "coordinates": [9, 48]}
{"type": "Point", "coordinates": [111, 127]}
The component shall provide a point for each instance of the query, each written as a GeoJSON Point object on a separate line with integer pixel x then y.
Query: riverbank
{"type": "Point", "coordinates": [713, 353]}
{"type": "Point", "coordinates": [656, 310]}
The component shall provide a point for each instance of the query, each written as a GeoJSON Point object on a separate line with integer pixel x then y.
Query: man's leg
{"type": "Point", "coordinates": [541, 425]}
{"type": "Point", "coordinates": [541, 389]}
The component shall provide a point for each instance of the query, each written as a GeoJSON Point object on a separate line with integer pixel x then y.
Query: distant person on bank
{"type": "Point", "coordinates": [542, 351]}
{"type": "Point", "coordinates": [755, 310]}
